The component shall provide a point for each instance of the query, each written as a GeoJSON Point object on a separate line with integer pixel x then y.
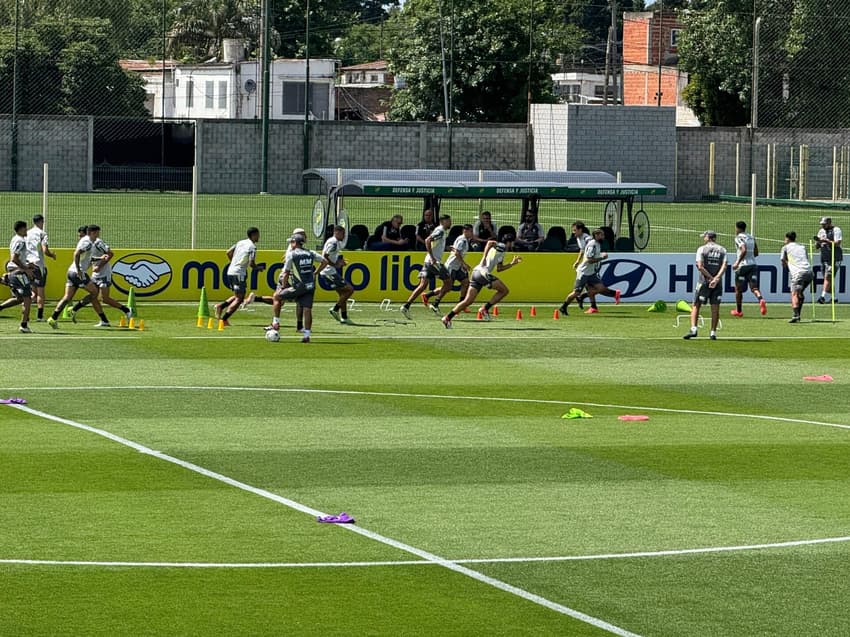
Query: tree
{"type": "Point", "coordinates": [199, 27]}
{"type": "Point", "coordinates": [69, 66]}
{"type": "Point", "coordinates": [488, 53]}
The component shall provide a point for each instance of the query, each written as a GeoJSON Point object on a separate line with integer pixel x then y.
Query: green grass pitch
{"type": "Point", "coordinates": [481, 510]}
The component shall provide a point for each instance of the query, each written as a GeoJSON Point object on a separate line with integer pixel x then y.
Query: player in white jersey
{"type": "Point", "coordinates": [332, 274]}
{"type": "Point", "coordinates": [457, 267]}
{"type": "Point", "coordinates": [794, 258]}
{"type": "Point", "coordinates": [828, 239]}
{"type": "Point", "coordinates": [78, 278]}
{"type": "Point", "coordinates": [587, 273]}
{"type": "Point", "coordinates": [37, 249]}
{"type": "Point", "coordinates": [482, 277]}
{"type": "Point", "coordinates": [101, 275]}
{"type": "Point", "coordinates": [18, 275]}
{"type": "Point", "coordinates": [275, 301]}
{"type": "Point", "coordinates": [242, 255]}
{"type": "Point", "coordinates": [435, 245]}
{"type": "Point", "coordinates": [746, 270]}
{"type": "Point", "coordinates": [711, 264]}
{"type": "Point", "coordinates": [581, 235]}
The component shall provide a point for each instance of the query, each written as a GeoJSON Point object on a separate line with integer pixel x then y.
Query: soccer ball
{"type": "Point", "coordinates": [273, 336]}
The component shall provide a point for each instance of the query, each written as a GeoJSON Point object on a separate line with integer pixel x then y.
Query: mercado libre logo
{"type": "Point", "coordinates": [148, 273]}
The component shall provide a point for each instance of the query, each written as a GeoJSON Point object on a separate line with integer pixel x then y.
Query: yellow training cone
{"type": "Point", "coordinates": [682, 306]}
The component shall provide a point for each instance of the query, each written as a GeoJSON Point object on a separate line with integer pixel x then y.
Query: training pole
{"type": "Point", "coordinates": [833, 283]}
{"type": "Point", "coordinates": [814, 287]}
{"type": "Point", "coordinates": [44, 191]}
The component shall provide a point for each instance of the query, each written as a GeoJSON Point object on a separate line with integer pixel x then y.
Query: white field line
{"type": "Point", "coordinates": [297, 506]}
{"type": "Point", "coordinates": [547, 335]}
{"type": "Point", "coordinates": [482, 560]}
{"type": "Point", "coordinates": [386, 394]}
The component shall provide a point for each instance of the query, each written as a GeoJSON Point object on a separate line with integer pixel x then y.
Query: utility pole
{"type": "Point", "coordinates": [660, 45]}
{"type": "Point", "coordinates": [264, 168]}
{"type": "Point", "coordinates": [306, 162]}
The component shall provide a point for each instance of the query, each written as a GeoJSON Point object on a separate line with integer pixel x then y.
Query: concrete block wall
{"type": "Point", "coordinates": [62, 142]}
{"type": "Point", "coordinates": [637, 141]}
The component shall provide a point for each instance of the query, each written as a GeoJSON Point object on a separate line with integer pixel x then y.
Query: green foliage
{"type": "Point", "coordinates": [485, 47]}
{"type": "Point", "coordinates": [363, 43]}
{"type": "Point", "coordinates": [69, 66]}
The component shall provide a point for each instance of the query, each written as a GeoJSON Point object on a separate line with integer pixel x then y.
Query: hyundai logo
{"type": "Point", "coordinates": [632, 277]}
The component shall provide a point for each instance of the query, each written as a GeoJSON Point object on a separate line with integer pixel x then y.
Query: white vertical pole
{"type": "Point", "coordinates": [194, 243]}
{"type": "Point", "coordinates": [619, 177]}
{"type": "Point", "coordinates": [753, 205]}
{"type": "Point", "coordinates": [767, 176]}
{"type": "Point", "coordinates": [44, 191]}
{"type": "Point", "coordinates": [711, 168]}
{"type": "Point", "coordinates": [834, 173]}
{"type": "Point", "coordinates": [737, 169]}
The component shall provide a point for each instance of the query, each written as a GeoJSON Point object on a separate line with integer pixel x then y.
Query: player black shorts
{"type": "Point", "coordinates": [799, 282]}
{"type": "Point", "coordinates": [437, 270]}
{"type": "Point", "coordinates": [479, 280]}
{"type": "Point", "coordinates": [587, 281]}
{"type": "Point", "coordinates": [458, 275]}
{"type": "Point", "coordinates": [78, 281]}
{"type": "Point", "coordinates": [238, 284]}
{"type": "Point", "coordinates": [747, 275]}
{"type": "Point", "coordinates": [705, 294]}
{"type": "Point", "coordinates": [301, 294]}
{"type": "Point", "coordinates": [335, 280]}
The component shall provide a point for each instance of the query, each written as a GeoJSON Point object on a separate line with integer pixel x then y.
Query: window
{"type": "Point", "coordinates": [293, 99]}
{"type": "Point", "coordinates": [209, 88]}
{"type": "Point", "coordinates": [373, 78]}
{"type": "Point", "coordinates": [222, 95]}
{"type": "Point", "coordinates": [190, 93]}
{"type": "Point", "coordinates": [674, 38]}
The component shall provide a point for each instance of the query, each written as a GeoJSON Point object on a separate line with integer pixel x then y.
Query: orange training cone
{"type": "Point", "coordinates": [519, 315]}
{"type": "Point", "coordinates": [556, 315]}
{"type": "Point", "coordinates": [478, 318]}
{"type": "Point", "coordinates": [533, 311]}
{"type": "Point", "coordinates": [496, 310]}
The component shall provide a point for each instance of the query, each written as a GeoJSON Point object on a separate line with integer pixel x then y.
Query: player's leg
{"type": "Point", "coordinates": [94, 293]}
{"type": "Point", "coordinates": [501, 292]}
{"type": "Point", "coordinates": [341, 304]}
{"type": "Point", "coordinates": [424, 276]}
{"type": "Point", "coordinates": [70, 290]}
{"type": "Point", "coordinates": [715, 316]}
{"type": "Point", "coordinates": [469, 299]}
{"type": "Point", "coordinates": [826, 288]}
{"type": "Point", "coordinates": [740, 287]}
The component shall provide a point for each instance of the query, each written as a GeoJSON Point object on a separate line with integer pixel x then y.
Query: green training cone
{"type": "Point", "coordinates": [131, 303]}
{"type": "Point", "coordinates": [66, 312]}
{"type": "Point", "coordinates": [203, 305]}
{"type": "Point", "coordinates": [682, 306]}
{"type": "Point", "coordinates": [658, 306]}
{"type": "Point", "coordinates": [575, 412]}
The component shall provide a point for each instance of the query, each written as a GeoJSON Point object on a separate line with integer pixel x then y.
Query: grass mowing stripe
{"type": "Point", "coordinates": [354, 392]}
{"type": "Point", "coordinates": [486, 579]}
{"type": "Point", "coordinates": [482, 560]}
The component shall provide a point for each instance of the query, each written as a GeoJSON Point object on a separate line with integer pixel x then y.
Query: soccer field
{"type": "Point", "coordinates": [167, 482]}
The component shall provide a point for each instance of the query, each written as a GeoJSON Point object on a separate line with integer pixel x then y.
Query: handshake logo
{"type": "Point", "coordinates": [148, 273]}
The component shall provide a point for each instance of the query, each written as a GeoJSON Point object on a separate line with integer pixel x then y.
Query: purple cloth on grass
{"type": "Point", "coordinates": [13, 401]}
{"type": "Point", "coordinates": [342, 518]}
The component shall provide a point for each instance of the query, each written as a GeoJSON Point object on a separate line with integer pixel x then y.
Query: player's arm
{"type": "Point", "coordinates": [506, 266]}
{"type": "Point", "coordinates": [252, 263]}
{"type": "Point", "coordinates": [755, 248]}
{"type": "Point", "coordinates": [742, 253]}
{"type": "Point", "coordinates": [47, 251]}
{"type": "Point", "coordinates": [428, 243]}
{"type": "Point", "coordinates": [229, 253]}
{"type": "Point", "coordinates": [77, 254]}
{"type": "Point", "coordinates": [459, 257]}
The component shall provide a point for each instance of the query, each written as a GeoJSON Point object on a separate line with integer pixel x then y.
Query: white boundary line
{"type": "Point", "coordinates": [550, 334]}
{"type": "Point", "coordinates": [292, 504]}
{"type": "Point", "coordinates": [483, 560]}
{"type": "Point", "coordinates": [386, 394]}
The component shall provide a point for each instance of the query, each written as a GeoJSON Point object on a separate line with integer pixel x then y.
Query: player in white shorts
{"type": "Point", "coordinates": [457, 267]}
{"type": "Point", "coordinates": [433, 268]}
{"type": "Point", "coordinates": [482, 277]}
{"type": "Point", "coordinates": [101, 276]}
{"type": "Point", "coordinates": [794, 258]}
{"type": "Point", "coordinates": [37, 249]}
{"type": "Point", "coordinates": [242, 255]}
{"type": "Point", "coordinates": [332, 274]}
{"type": "Point", "coordinates": [746, 270]}
{"type": "Point", "coordinates": [78, 278]}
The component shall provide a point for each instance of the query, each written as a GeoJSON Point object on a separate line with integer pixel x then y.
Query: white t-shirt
{"type": "Point", "coordinates": [36, 240]}
{"type": "Point", "coordinates": [794, 254]}
{"type": "Point", "coordinates": [490, 262]}
{"type": "Point", "coordinates": [746, 240]}
{"type": "Point", "coordinates": [99, 249]}
{"type": "Point", "coordinates": [84, 247]}
{"type": "Point", "coordinates": [592, 250]}
{"type": "Point", "coordinates": [18, 248]}
{"type": "Point", "coordinates": [333, 252]}
{"type": "Point", "coordinates": [243, 253]}
{"type": "Point", "coordinates": [459, 250]}
{"type": "Point", "coordinates": [438, 245]}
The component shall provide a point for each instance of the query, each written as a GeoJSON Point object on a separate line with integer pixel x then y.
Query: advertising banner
{"type": "Point", "coordinates": [179, 275]}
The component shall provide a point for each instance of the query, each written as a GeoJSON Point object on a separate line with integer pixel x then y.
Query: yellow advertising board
{"type": "Point", "coordinates": [179, 275]}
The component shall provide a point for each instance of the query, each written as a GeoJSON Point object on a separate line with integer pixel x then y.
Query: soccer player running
{"type": "Point", "coordinates": [587, 273]}
{"type": "Point", "coordinates": [828, 240]}
{"type": "Point", "coordinates": [18, 275]}
{"type": "Point", "coordinates": [435, 245]}
{"type": "Point", "coordinates": [711, 264]}
{"type": "Point", "coordinates": [482, 277]}
{"type": "Point", "coordinates": [242, 256]}
{"type": "Point", "coordinates": [101, 275]}
{"type": "Point", "coordinates": [298, 282]}
{"type": "Point", "coordinates": [458, 270]}
{"type": "Point", "coordinates": [746, 270]}
{"type": "Point", "coordinates": [794, 258]}
{"type": "Point", "coordinates": [78, 278]}
{"type": "Point", "coordinates": [332, 274]}
{"type": "Point", "coordinates": [37, 249]}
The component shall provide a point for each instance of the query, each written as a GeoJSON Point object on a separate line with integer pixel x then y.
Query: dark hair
{"type": "Point", "coordinates": [580, 225]}
{"type": "Point", "coordinates": [485, 212]}
{"type": "Point", "coordinates": [83, 229]}
{"type": "Point", "coordinates": [791, 235]}
{"type": "Point", "coordinates": [468, 226]}
{"type": "Point", "coordinates": [19, 225]}
{"type": "Point", "coordinates": [92, 228]}
{"type": "Point", "coordinates": [252, 230]}
{"type": "Point", "coordinates": [338, 227]}
{"type": "Point", "coordinates": [741, 225]}
{"type": "Point", "coordinates": [444, 217]}
{"type": "Point", "coordinates": [38, 218]}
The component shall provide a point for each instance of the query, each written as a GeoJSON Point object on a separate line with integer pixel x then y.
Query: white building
{"type": "Point", "coordinates": [575, 87]}
{"type": "Point", "coordinates": [233, 90]}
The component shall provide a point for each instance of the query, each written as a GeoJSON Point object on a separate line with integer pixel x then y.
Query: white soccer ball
{"type": "Point", "coordinates": [272, 336]}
